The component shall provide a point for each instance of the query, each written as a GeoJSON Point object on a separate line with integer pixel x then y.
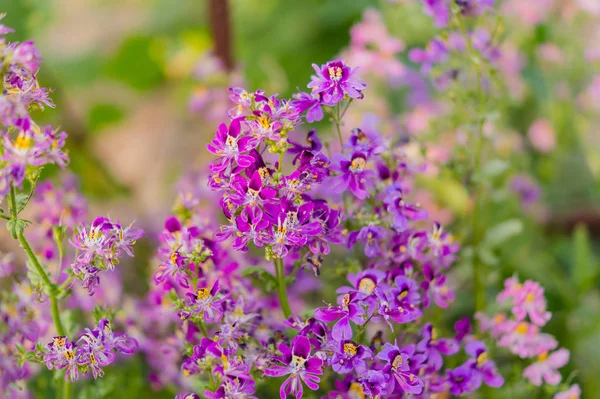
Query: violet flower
{"type": "Point", "coordinates": [299, 364]}
{"type": "Point", "coordinates": [334, 80]}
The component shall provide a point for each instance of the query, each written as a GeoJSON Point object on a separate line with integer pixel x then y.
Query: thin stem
{"type": "Point", "coordinates": [281, 286]}
{"type": "Point", "coordinates": [203, 328]}
{"type": "Point", "coordinates": [36, 263]}
{"type": "Point", "coordinates": [66, 284]}
{"type": "Point", "coordinates": [336, 121]}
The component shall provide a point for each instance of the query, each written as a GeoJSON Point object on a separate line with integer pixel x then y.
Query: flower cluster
{"type": "Point", "coordinates": [25, 144]}
{"type": "Point", "coordinates": [520, 331]}
{"type": "Point", "coordinates": [92, 351]}
{"type": "Point", "coordinates": [99, 248]}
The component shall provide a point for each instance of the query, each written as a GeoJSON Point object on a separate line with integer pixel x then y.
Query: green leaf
{"type": "Point", "coordinates": [500, 233]}
{"type": "Point", "coordinates": [103, 114]}
{"type": "Point", "coordinates": [585, 267]}
{"type": "Point", "coordinates": [135, 64]}
{"type": "Point", "coordinates": [261, 278]}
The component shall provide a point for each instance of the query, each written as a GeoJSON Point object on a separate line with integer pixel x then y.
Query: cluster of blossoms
{"type": "Point", "coordinates": [25, 145]}
{"type": "Point", "coordinates": [520, 332]}
{"type": "Point", "coordinates": [22, 323]}
{"type": "Point", "coordinates": [92, 351]}
{"type": "Point", "coordinates": [59, 212]}
{"type": "Point", "coordinates": [99, 248]}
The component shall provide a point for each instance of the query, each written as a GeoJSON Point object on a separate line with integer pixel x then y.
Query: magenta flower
{"type": "Point", "coordinates": [305, 102]}
{"type": "Point", "coordinates": [352, 175]}
{"type": "Point", "coordinates": [299, 364]}
{"type": "Point", "coordinates": [334, 80]}
{"type": "Point", "coordinates": [400, 304]}
{"type": "Point", "coordinates": [349, 309]}
{"type": "Point", "coordinates": [60, 354]}
{"type": "Point", "coordinates": [435, 347]}
{"type": "Point", "coordinates": [483, 368]}
{"type": "Point", "coordinates": [545, 369]}
{"type": "Point", "coordinates": [350, 356]}
{"type": "Point", "coordinates": [231, 146]}
{"type": "Point", "coordinates": [397, 365]}
{"type": "Point", "coordinates": [208, 303]}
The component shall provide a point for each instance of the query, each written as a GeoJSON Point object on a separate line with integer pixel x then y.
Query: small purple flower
{"type": "Point", "coordinates": [352, 175]}
{"type": "Point", "coordinates": [370, 236]}
{"type": "Point", "coordinates": [208, 303]}
{"type": "Point", "coordinates": [483, 368]}
{"type": "Point", "coordinates": [299, 364]}
{"type": "Point", "coordinates": [349, 309]}
{"type": "Point", "coordinates": [434, 347]}
{"type": "Point", "coordinates": [375, 384]}
{"type": "Point", "coordinates": [399, 304]}
{"type": "Point", "coordinates": [230, 146]}
{"type": "Point", "coordinates": [439, 10]}
{"type": "Point", "coordinates": [304, 102]}
{"type": "Point", "coordinates": [401, 211]}
{"type": "Point", "coordinates": [334, 80]}
{"type": "Point", "coordinates": [397, 365]}
{"type": "Point", "coordinates": [60, 354]}
{"type": "Point", "coordinates": [350, 356]}
{"type": "Point", "coordinates": [462, 380]}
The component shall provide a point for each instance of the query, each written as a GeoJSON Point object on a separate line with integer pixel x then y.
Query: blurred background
{"type": "Point", "coordinates": [134, 82]}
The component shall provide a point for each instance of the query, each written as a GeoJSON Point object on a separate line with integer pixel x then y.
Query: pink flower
{"type": "Point", "coordinates": [525, 339]}
{"type": "Point", "coordinates": [545, 369]}
{"type": "Point", "coordinates": [541, 135]}
{"type": "Point", "coordinates": [512, 287]}
{"type": "Point", "coordinates": [572, 393]}
{"type": "Point", "coordinates": [529, 300]}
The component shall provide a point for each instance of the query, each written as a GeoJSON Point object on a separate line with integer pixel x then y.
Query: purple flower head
{"type": "Point", "coordinates": [352, 175]}
{"type": "Point", "coordinates": [249, 225]}
{"type": "Point", "coordinates": [60, 354]}
{"type": "Point", "coordinates": [483, 368]}
{"type": "Point", "coordinates": [334, 80]}
{"type": "Point", "coordinates": [365, 141]}
{"type": "Point", "coordinates": [313, 144]}
{"type": "Point", "coordinates": [291, 225]}
{"type": "Point", "coordinates": [364, 282]}
{"type": "Point", "coordinates": [349, 309]}
{"type": "Point", "coordinates": [230, 146]}
{"type": "Point", "coordinates": [370, 236]}
{"type": "Point", "coordinates": [27, 55]}
{"type": "Point", "coordinates": [299, 364]}
{"type": "Point", "coordinates": [401, 211]}
{"type": "Point", "coordinates": [397, 365]}
{"type": "Point", "coordinates": [435, 347]}
{"type": "Point", "coordinates": [463, 380]}
{"type": "Point", "coordinates": [400, 304]}
{"type": "Point", "coordinates": [527, 189]}
{"type": "Point", "coordinates": [350, 356]}
{"type": "Point", "coordinates": [208, 303]}
{"type": "Point", "coordinates": [250, 193]}
{"type": "Point", "coordinates": [463, 328]}
{"type": "Point", "coordinates": [438, 9]}
{"type": "Point", "coordinates": [305, 102]}
{"type": "Point", "coordinates": [374, 383]}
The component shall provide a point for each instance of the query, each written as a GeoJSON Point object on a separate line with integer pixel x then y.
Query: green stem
{"type": "Point", "coordinates": [203, 328]}
{"type": "Point", "coordinates": [67, 390]}
{"type": "Point", "coordinates": [283, 299]}
{"type": "Point", "coordinates": [336, 121]}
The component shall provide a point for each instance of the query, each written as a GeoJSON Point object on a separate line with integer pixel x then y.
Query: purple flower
{"type": "Point", "coordinates": [364, 282]}
{"type": "Point", "coordinates": [249, 224]}
{"type": "Point", "coordinates": [250, 193]}
{"type": "Point", "coordinates": [304, 102]}
{"type": "Point", "coordinates": [350, 356]}
{"type": "Point", "coordinates": [462, 380]}
{"type": "Point", "coordinates": [349, 309]}
{"type": "Point", "coordinates": [365, 141]}
{"type": "Point", "coordinates": [208, 303]}
{"type": "Point", "coordinates": [60, 354]}
{"type": "Point", "coordinates": [546, 368]}
{"type": "Point", "coordinates": [397, 365]}
{"type": "Point", "coordinates": [94, 242]}
{"type": "Point", "coordinates": [299, 364]}
{"type": "Point", "coordinates": [334, 80]}
{"type": "Point", "coordinates": [375, 384]}
{"type": "Point", "coordinates": [369, 236]}
{"type": "Point", "coordinates": [434, 347]}
{"type": "Point", "coordinates": [352, 175]}
{"type": "Point", "coordinates": [230, 146]}
{"type": "Point", "coordinates": [483, 368]}
{"type": "Point", "coordinates": [399, 304]}
{"type": "Point", "coordinates": [438, 9]}
{"type": "Point", "coordinates": [291, 225]}
{"type": "Point", "coordinates": [401, 211]}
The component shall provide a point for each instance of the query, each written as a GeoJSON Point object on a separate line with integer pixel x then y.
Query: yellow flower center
{"type": "Point", "coordinates": [60, 341]}
{"type": "Point", "coordinates": [346, 300]}
{"type": "Point", "coordinates": [357, 389]}
{"type": "Point", "coordinates": [366, 285]}
{"type": "Point", "coordinates": [23, 141]}
{"type": "Point", "coordinates": [335, 73]}
{"type": "Point", "coordinates": [530, 298]}
{"type": "Point", "coordinates": [299, 360]}
{"type": "Point", "coordinates": [358, 164]}
{"type": "Point", "coordinates": [69, 354]}
{"type": "Point", "coordinates": [350, 349]}
{"type": "Point", "coordinates": [397, 363]}
{"type": "Point", "coordinates": [403, 294]}
{"type": "Point", "coordinates": [264, 122]}
{"type": "Point", "coordinates": [482, 359]}
{"type": "Point", "coordinates": [203, 293]}
{"type": "Point", "coordinates": [433, 335]}
{"type": "Point", "coordinates": [522, 328]}
{"type": "Point", "coordinates": [173, 258]}
{"type": "Point", "coordinates": [93, 358]}
{"type": "Point", "coordinates": [543, 356]}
